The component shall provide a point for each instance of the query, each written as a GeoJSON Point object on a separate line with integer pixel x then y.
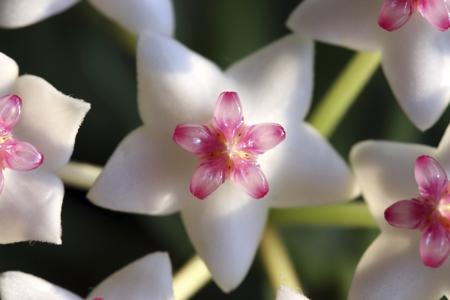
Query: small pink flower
{"type": "Point", "coordinates": [429, 212]}
{"type": "Point", "coordinates": [395, 13]}
{"type": "Point", "coordinates": [14, 154]}
{"type": "Point", "coordinates": [227, 148]}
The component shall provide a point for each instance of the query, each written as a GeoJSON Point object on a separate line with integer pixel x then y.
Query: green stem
{"type": "Point", "coordinates": [334, 215]}
{"type": "Point", "coordinates": [277, 262]}
{"type": "Point", "coordinates": [190, 278]}
{"type": "Point", "coordinates": [344, 92]}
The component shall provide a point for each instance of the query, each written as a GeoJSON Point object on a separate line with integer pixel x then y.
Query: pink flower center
{"type": "Point", "coordinates": [14, 153]}
{"type": "Point", "coordinates": [429, 212]}
{"type": "Point", "coordinates": [395, 13]}
{"type": "Point", "coordinates": [227, 148]}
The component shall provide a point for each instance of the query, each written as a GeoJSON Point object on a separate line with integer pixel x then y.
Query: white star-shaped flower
{"type": "Point", "coordinates": [134, 15]}
{"type": "Point", "coordinates": [149, 173]}
{"type": "Point", "coordinates": [149, 277]}
{"type": "Point", "coordinates": [38, 125]}
{"type": "Point", "coordinates": [415, 57]}
{"type": "Point", "coordinates": [407, 186]}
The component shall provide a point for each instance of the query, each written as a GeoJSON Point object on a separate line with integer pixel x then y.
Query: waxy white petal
{"type": "Point", "coordinates": [348, 23]}
{"type": "Point", "coordinates": [175, 84]}
{"type": "Point", "coordinates": [19, 13]}
{"type": "Point", "coordinates": [285, 293]}
{"type": "Point", "coordinates": [416, 61]}
{"type": "Point", "coordinates": [391, 269]}
{"type": "Point", "coordinates": [140, 15]}
{"type": "Point", "coordinates": [21, 286]}
{"type": "Point", "coordinates": [385, 172]}
{"type": "Point", "coordinates": [30, 207]}
{"type": "Point", "coordinates": [149, 277]}
{"type": "Point", "coordinates": [226, 229]}
{"type": "Point", "coordinates": [8, 74]}
{"type": "Point", "coordinates": [49, 120]}
{"type": "Point", "coordinates": [305, 170]}
{"type": "Point", "coordinates": [275, 83]}
{"type": "Point", "coordinates": [145, 175]}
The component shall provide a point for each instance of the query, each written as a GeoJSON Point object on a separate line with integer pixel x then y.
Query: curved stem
{"type": "Point", "coordinates": [276, 261]}
{"type": "Point", "coordinates": [344, 92]}
{"type": "Point", "coordinates": [79, 175]}
{"type": "Point", "coordinates": [190, 278]}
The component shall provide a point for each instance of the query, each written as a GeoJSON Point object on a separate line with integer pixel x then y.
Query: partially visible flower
{"type": "Point", "coordinates": [392, 267]}
{"type": "Point", "coordinates": [395, 13]}
{"type": "Point", "coordinates": [31, 199]}
{"type": "Point", "coordinates": [149, 173]}
{"type": "Point", "coordinates": [285, 293]}
{"type": "Point", "coordinates": [134, 15]}
{"type": "Point", "coordinates": [149, 277]}
{"type": "Point", "coordinates": [415, 58]}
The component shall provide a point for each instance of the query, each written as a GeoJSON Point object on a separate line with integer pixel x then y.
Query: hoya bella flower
{"type": "Point", "coordinates": [134, 15]}
{"type": "Point", "coordinates": [415, 58]}
{"type": "Point", "coordinates": [149, 173]}
{"type": "Point", "coordinates": [36, 121]}
{"type": "Point", "coordinates": [405, 187]}
{"type": "Point", "coordinates": [149, 277]}
{"type": "Point", "coordinates": [228, 148]}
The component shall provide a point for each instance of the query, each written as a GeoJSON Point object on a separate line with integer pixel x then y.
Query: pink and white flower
{"type": "Point", "coordinates": [38, 125]}
{"type": "Point", "coordinates": [134, 15]}
{"type": "Point", "coordinates": [415, 58]}
{"type": "Point", "coordinates": [393, 267]}
{"type": "Point", "coordinates": [149, 277]}
{"type": "Point", "coordinates": [149, 173]}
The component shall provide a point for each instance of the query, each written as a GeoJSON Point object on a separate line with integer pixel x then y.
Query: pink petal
{"type": "Point", "coordinates": [434, 245]}
{"type": "Point", "coordinates": [208, 177]}
{"type": "Point", "coordinates": [249, 176]}
{"type": "Point", "coordinates": [259, 138]}
{"type": "Point", "coordinates": [430, 177]}
{"type": "Point", "coordinates": [197, 139]}
{"type": "Point", "coordinates": [10, 109]}
{"type": "Point", "coordinates": [228, 114]}
{"type": "Point", "coordinates": [405, 213]}
{"type": "Point", "coordinates": [22, 156]}
{"type": "Point", "coordinates": [437, 12]}
{"type": "Point", "coordinates": [395, 13]}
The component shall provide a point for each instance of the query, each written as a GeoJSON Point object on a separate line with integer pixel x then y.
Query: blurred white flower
{"type": "Point", "coordinates": [134, 15]}
{"type": "Point", "coordinates": [393, 267]}
{"type": "Point", "coordinates": [285, 293]}
{"type": "Point", "coordinates": [415, 58]}
{"type": "Point", "coordinates": [148, 278]}
{"type": "Point", "coordinates": [30, 201]}
{"type": "Point", "coordinates": [150, 174]}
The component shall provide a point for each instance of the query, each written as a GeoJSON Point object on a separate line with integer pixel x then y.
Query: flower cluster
{"type": "Point", "coordinates": [222, 147]}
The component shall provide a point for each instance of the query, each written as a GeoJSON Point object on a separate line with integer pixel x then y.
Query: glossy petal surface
{"type": "Point", "coordinates": [197, 139]}
{"type": "Point", "coordinates": [434, 245]}
{"type": "Point", "coordinates": [22, 156]}
{"type": "Point", "coordinates": [228, 114]}
{"type": "Point", "coordinates": [207, 178]}
{"type": "Point", "coordinates": [19, 13]}
{"type": "Point", "coordinates": [149, 277]}
{"type": "Point", "coordinates": [260, 138]}
{"type": "Point", "coordinates": [8, 74]}
{"type": "Point", "coordinates": [140, 15]}
{"type": "Point", "coordinates": [395, 13]}
{"type": "Point", "coordinates": [49, 121]}
{"type": "Point", "coordinates": [437, 12]}
{"type": "Point", "coordinates": [30, 207]}
{"type": "Point", "coordinates": [22, 286]}
{"type": "Point", "coordinates": [141, 164]}
{"type": "Point", "coordinates": [430, 177]}
{"type": "Point", "coordinates": [251, 178]}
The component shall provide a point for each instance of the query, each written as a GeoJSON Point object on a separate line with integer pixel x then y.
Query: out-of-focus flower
{"type": "Point", "coordinates": [149, 277]}
{"type": "Point", "coordinates": [30, 201]}
{"type": "Point", "coordinates": [285, 293]}
{"type": "Point", "coordinates": [415, 58]}
{"type": "Point", "coordinates": [150, 174]}
{"type": "Point", "coordinates": [392, 267]}
{"type": "Point", "coordinates": [134, 15]}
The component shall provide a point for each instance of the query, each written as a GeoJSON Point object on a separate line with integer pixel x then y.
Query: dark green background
{"type": "Point", "coordinates": [82, 54]}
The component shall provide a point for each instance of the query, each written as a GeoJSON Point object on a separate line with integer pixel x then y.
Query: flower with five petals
{"type": "Point", "coordinates": [393, 267]}
{"type": "Point", "coordinates": [415, 58]}
{"type": "Point", "coordinates": [31, 198]}
{"type": "Point", "coordinates": [134, 15]}
{"type": "Point", "coordinates": [149, 173]}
